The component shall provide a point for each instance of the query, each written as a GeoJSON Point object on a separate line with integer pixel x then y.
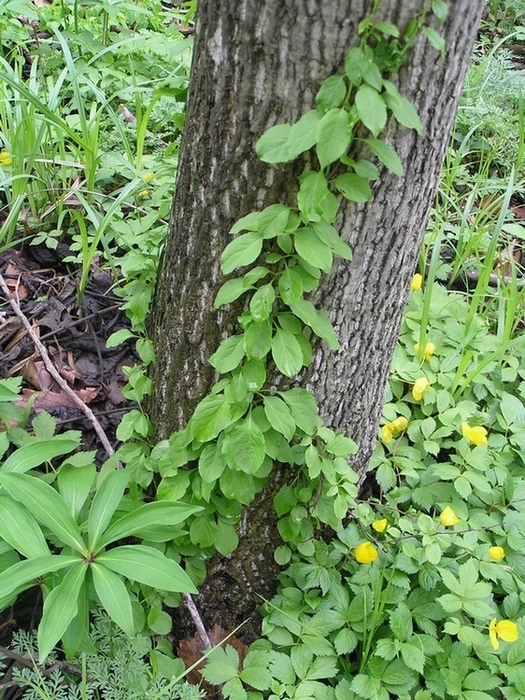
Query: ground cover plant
{"type": "Point", "coordinates": [417, 592]}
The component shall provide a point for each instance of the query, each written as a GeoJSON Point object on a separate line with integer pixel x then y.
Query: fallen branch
{"type": "Point", "coordinates": [197, 619]}
{"type": "Point", "coordinates": [53, 371]}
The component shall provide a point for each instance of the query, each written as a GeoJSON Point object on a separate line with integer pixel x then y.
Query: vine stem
{"type": "Point", "coordinates": [53, 371]}
{"type": "Point", "coordinates": [197, 619]}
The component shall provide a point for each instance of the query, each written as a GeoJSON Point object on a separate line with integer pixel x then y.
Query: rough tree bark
{"type": "Point", "coordinates": [257, 64]}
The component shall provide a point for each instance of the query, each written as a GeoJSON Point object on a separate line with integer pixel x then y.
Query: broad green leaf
{"type": "Point", "coordinates": [203, 531]}
{"type": "Point", "coordinates": [440, 9]}
{"type": "Point", "coordinates": [36, 453]}
{"type": "Point", "coordinates": [435, 39]}
{"type": "Point", "coordinates": [328, 234]}
{"type": "Point", "coordinates": [334, 134]}
{"type": "Point", "coordinates": [226, 540]}
{"type": "Point", "coordinates": [386, 155]}
{"type": "Point", "coordinates": [371, 109]}
{"type": "Point", "coordinates": [303, 134]}
{"type": "Point", "coordinates": [243, 446]}
{"type": "Point", "coordinates": [331, 93]}
{"type": "Point", "coordinates": [317, 320]}
{"type": "Point", "coordinates": [26, 571]}
{"type": "Point", "coordinates": [47, 506]}
{"type": "Point", "coordinates": [272, 147]}
{"type": "Point", "coordinates": [20, 529]}
{"type": "Point", "coordinates": [279, 416]}
{"type": "Point", "coordinates": [60, 607]}
{"type": "Point", "coordinates": [403, 110]}
{"type": "Point", "coordinates": [119, 337]}
{"type": "Point", "coordinates": [304, 409]}
{"type": "Point", "coordinates": [290, 285]}
{"type": "Point", "coordinates": [230, 291]}
{"type": "Point", "coordinates": [242, 251]}
{"type": "Point", "coordinates": [222, 665]}
{"type": "Point", "coordinates": [237, 485]}
{"type": "Point", "coordinates": [355, 65]}
{"type": "Point", "coordinates": [286, 353]}
{"type": "Point", "coordinates": [312, 249]}
{"type": "Point", "coordinates": [229, 354]}
{"type": "Point", "coordinates": [272, 220]}
{"type": "Point", "coordinates": [146, 565]}
{"type": "Point", "coordinates": [365, 168]}
{"type": "Point", "coordinates": [74, 484]}
{"type": "Point", "coordinates": [211, 463]}
{"type": "Point", "coordinates": [258, 339]}
{"type": "Point", "coordinates": [401, 622]}
{"type": "Point", "coordinates": [113, 594]}
{"type": "Point", "coordinates": [315, 199]}
{"type": "Point", "coordinates": [246, 223]}
{"type": "Point", "coordinates": [148, 515]}
{"type": "Point", "coordinates": [211, 416]}
{"type": "Point", "coordinates": [387, 28]}
{"type": "Point", "coordinates": [104, 504]}
{"type": "Point", "coordinates": [262, 302]}
{"type": "Point", "coordinates": [10, 389]}
{"type": "Point", "coordinates": [254, 373]}
{"type": "Point", "coordinates": [353, 187]}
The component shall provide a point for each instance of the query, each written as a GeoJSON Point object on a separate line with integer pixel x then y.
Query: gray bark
{"type": "Point", "coordinates": [257, 64]}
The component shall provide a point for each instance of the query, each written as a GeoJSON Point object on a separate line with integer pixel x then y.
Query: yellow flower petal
{"type": "Point", "coordinates": [399, 424]}
{"type": "Point", "coordinates": [507, 630]}
{"type": "Point", "coordinates": [496, 553]}
{"type": "Point", "coordinates": [420, 386]}
{"type": "Point", "coordinates": [448, 518]}
{"type": "Point", "coordinates": [386, 433]}
{"type": "Point", "coordinates": [476, 434]}
{"type": "Point", "coordinates": [5, 158]}
{"type": "Point", "coordinates": [365, 553]}
{"type": "Point", "coordinates": [380, 525]}
{"type": "Point", "coordinates": [147, 177]}
{"type": "Point", "coordinates": [493, 637]}
{"type": "Point", "coordinates": [144, 193]}
{"type": "Point", "coordinates": [417, 281]}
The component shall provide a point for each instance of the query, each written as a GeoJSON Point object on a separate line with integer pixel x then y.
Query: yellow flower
{"type": "Point", "coordinates": [5, 158]}
{"type": "Point", "coordinates": [390, 429]}
{"type": "Point", "coordinates": [380, 525]}
{"type": "Point", "coordinates": [429, 350]}
{"type": "Point", "coordinates": [420, 386]}
{"type": "Point", "coordinates": [496, 553]}
{"type": "Point", "coordinates": [448, 517]}
{"type": "Point", "coordinates": [147, 177]}
{"type": "Point", "coordinates": [417, 281]}
{"type": "Point", "coordinates": [144, 193]}
{"type": "Point", "coordinates": [365, 553]}
{"type": "Point", "coordinates": [504, 629]}
{"type": "Point", "coordinates": [399, 424]}
{"type": "Point", "coordinates": [386, 433]}
{"type": "Point", "coordinates": [475, 433]}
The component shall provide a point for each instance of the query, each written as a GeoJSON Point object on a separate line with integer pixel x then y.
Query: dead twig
{"type": "Point", "coordinates": [52, 370]}
{"type": "Point", "coordinates": [197, 619]}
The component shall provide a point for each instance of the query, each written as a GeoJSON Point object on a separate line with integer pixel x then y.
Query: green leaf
{"type": "Point", "coordinates": [146, 516]}
{"type": "Point", "coordinates": [203, 531]}
{"type": "Point", "coordinates": [287, 353]}
{"type": "Point", "coordinates": [28, 570]}
{"type": "Point", "coordinates": [74, 484]}
{"type": "Point", "coordinates": [230, 291]}
{"type": "Point", "coordinates": [229, 354]}
{"type": "Point", "coordinates": [290, 285]}
{"type": "Point", "coordinates": [279, 416]}
{"type": "Point", "coordinates": [272, 221]}
{"type": "Point", "coordinates": [371, 109]}
{"type": "Point", "coordinates": [226, 540]}
{"type": "Point", "coordinates": [312, 249]}
{"type": "Point", "coordinates": [353, 187]}
{"type": "Point", "coordinates": [402, 109]}
{"type": "Point", "coordinates": [222, 666]}
{"type": "Point", "coordinates": [210, 417]}
{"type": "Point", "coordinates": [273, 147]}
{"type": "Point", "coordinates": [60, 607]}
{"type": "Point", "coordinates": [387, 28]}
{"type": "Point", "coordinates": [47, 506]}
{"type": "Point", "coordinates": [435, 39]}
{"type": "Point", "coordinates": [147, 565]}
{"type": "Point", "coordinates": [386, 155]}
{"type": "Point", "coordinates": [315, 199]}
{"type": "Point", "coordinates": [262, 302]}
{"type": "Point", "coordinates": [328, 234]}
{"type": "Point", "coordinates": [413, 657]}
{"type": "Point", "coordinates": [304, 409]}
{"type": "Point", "coordinates": [20, 529]}
{"type": "Point", "coordinates": [243, 446]}
{"type": "Point", "coordinates": [104, 504]}
{"type": "Point", "coordinates": [317, 320]}
{"type": "Point", "coordinates": [440, 9]}
{"type": "Point", "coordinates": [355, 65]}
{"type": "Point", "coordinates": [401, 622]}
{"type": "Point", "coordinates": [36, 453]}
{"type": "Point", "coordinates": [246, 223]}
{"type": "Point", "coordinates": [258, 339]}
{"type": "Point", "coordinates": [331, 93]}
{"type": "Point", "coordinates": [242, 251]}
{"type": "Point", "coordinates": [334, 134]}
{"type": "Point", "coordinates": [119, 337]}
{"type": "Point", "coordinates": [113, 594]}
{"type": "Point", "coordinates": [303, 134]}
{"type": "Point", "coordinates": [211, 463]}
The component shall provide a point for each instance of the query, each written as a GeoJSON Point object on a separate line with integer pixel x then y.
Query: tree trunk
{"type": "Point", "coordinates": [257, 64]}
